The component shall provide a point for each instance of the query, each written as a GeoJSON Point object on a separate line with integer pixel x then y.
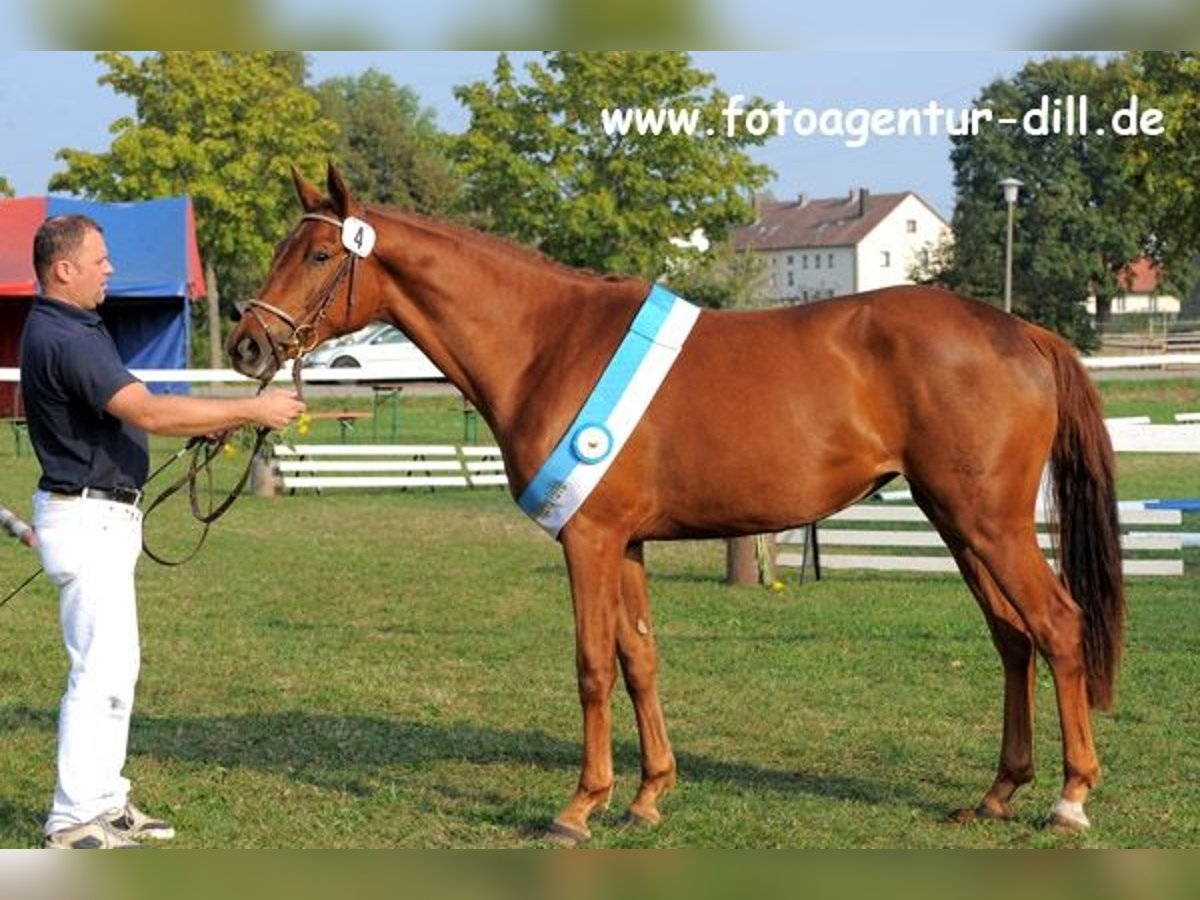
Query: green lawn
{"type": "Point", "coordinates": [396, 669]}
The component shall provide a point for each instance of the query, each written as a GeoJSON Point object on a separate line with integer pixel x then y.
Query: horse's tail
{"type": "Point", "coordinates": [1089, 543]}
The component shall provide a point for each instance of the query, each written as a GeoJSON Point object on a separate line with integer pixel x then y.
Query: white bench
{"type": "Point", "coordinates": [884, 536]}
{"type": "Point", "coordinates": [322, 466]}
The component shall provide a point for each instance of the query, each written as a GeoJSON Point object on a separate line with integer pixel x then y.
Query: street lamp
{"type": "Point", "coordinates": [1011, 186]}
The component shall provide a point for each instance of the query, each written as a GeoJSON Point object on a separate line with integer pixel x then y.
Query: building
{"type": "Point", "coordinates": [816, 249]}
{"type": "Point", "coordinates": [1140, 293]}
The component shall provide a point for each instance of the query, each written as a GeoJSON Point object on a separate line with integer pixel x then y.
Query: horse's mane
{"type": "Point", "coordinates": [502, 245]}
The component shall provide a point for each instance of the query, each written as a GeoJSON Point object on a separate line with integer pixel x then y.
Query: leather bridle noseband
{"type": "Point", "coordinates": [303, 337]}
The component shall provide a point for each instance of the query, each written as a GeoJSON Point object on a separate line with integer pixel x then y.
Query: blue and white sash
{"type": "Point", "coordinates": [612, 411]}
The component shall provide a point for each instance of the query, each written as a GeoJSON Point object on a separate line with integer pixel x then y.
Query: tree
{"type": "Point", "coordinates": [389, 146]}
{"type": "Point", "coordinates": [539, 167]}
{"type": "Point", "coordinates": [721, 278]}
{"type": "Point", "coordinates": [6, 189]}
{"type": "Point", "coordinates": [1079, 220]}
{"type": "Point", "coordinates": [1164, 166]}
{"type": "Point", "coordinates": [222, 127]}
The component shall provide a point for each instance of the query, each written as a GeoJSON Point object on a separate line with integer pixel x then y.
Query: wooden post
{"type": "Point", "coordinates": [741, 565]}
{"type": "Point", "coordinates": [264, 481]}
{"type": "Point", "coordinates": [215, 344]}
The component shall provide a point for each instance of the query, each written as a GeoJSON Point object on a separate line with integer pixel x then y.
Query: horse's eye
{"type": "Point", "coordinates": [320, 256]}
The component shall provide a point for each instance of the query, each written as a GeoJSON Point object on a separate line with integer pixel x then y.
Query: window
{"type": "Point", "coordinates": [829, 261]}
{"type": "Point", "coordinates": [816, 260]}
{"type": "Point", "coordinates": [804, 261]}
{"type": "Point", "coordinates": [791, 280]}
{"type": "Point", "coordinates": [885, 259]}
{"type": "Point", "coordinates": [791, 259]}
{"type": "Point", "coordinates": [911, 226]}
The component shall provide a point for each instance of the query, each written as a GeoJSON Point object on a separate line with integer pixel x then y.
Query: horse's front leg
{"type": "Point", "coordinates": [594, 556]}
{"type": "Point", "coordinates": [639, 663]}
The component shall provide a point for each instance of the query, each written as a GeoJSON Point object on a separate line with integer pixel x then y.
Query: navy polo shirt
{"type": "Point", "coordinates": [70, 369]}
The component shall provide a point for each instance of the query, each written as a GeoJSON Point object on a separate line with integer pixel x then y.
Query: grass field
{"type": "Point", "coordinates": [396, 669]}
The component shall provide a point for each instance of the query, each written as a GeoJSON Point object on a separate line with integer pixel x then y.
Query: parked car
{"type": "Point", "coordinates": [376, 346]}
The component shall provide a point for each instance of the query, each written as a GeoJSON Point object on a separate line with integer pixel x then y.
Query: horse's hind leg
{"type": "Point", "coordinates": [638, 653]}
{"type": "Point", "coordinates": [1015, 646]}
{"type": "Point", "coordinates": [1055, 621]}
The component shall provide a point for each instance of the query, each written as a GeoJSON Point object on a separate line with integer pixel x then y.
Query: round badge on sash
{"type": "Point", "coordinates": [358, 237]}
{"type": "Point", "coordinates": [592, 443]}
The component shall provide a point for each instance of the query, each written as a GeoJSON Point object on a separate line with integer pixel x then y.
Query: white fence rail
{"type": "Point", "coordinates": [886, 537]}
{"type": "Point", "coordinates": [326, 466]}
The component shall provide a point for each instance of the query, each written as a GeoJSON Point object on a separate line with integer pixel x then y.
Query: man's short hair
{"type": "Point", "coordinates": [59, 237]}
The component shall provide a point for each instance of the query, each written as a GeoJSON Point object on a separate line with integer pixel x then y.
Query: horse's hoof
{"type": "Point", "coordinates": [980, 813]}
{"type": "Point", "coordinates": [644, 819]}
{"type": "Point", "coordinates": [560, 832]}
{"type": "Point", "coordinates": [1064, 825]}
{"type": "Point", "coordinates": [1068, 818]}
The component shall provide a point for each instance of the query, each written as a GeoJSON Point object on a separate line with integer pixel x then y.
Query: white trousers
{"type": "Point", "coordinates": [90, 548]}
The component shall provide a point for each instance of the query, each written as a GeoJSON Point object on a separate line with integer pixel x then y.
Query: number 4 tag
{"type": "Point", "coordinates": [358, 237]}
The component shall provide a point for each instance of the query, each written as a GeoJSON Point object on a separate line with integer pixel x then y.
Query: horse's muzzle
{"type": "Point", "coordinates": [250, 354]}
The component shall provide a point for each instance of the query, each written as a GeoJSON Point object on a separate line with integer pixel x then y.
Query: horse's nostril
{"type": "Point", "coordinates": [248, 349]}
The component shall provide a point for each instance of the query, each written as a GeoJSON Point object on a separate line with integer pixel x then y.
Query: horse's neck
{"type": "Point", "coordinates": [521, 338]}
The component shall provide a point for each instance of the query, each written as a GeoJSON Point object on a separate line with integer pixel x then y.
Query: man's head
{"type": "Point", "coordinates": [71, 260]}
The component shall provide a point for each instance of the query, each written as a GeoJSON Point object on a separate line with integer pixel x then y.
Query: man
{"type": "Point", "coordinates": [88, 417]}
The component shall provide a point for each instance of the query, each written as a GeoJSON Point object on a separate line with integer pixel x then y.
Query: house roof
{"type": "Point", "coordinates": [829, 222]}
{"type": "Point", "coordinates": [1140, 277]}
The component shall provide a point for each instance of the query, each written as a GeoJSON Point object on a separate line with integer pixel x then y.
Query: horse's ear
{"type": "Point", "coordinates": [339, 193]}
{"type": "Point", "coordinates": [310, 197]}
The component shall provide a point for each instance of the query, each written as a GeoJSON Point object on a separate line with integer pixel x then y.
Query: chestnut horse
{"type": "Point", "coordinates": [965, 401]}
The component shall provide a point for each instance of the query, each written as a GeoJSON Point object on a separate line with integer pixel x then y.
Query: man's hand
{"type": "Point", "coordinates": [277, 408]}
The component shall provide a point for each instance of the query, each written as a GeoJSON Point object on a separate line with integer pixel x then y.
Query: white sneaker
{"type": "Point", "coordinates": [137, 825]}
{"type": "Point", "coordinates": [97, 834]}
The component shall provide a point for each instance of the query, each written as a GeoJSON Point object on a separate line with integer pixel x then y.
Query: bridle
{"type": "Point", "coordinates": [303, 337]}
{"type": "Point", "coordinates": [302, 340]}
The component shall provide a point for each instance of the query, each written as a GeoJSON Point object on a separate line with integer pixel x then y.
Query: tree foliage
{"type": "Point", "coordinates": [539, 167]}
{"type": "Point", "coordinates": [1165, 168]}
{"type": "Point", "coordinates": [388, 146]}
{"type": "Point", "coordinates": [1079, 220]}
{"type": "Point", "coordinates": [223, 127]}
{"type": "Point", "coordinates": [6, 189]}
{"type": "Point", "coordinates": [721, 278]}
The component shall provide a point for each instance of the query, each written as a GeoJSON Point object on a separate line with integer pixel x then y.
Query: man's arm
{"type": "Point", "coordinates": [174, 415]}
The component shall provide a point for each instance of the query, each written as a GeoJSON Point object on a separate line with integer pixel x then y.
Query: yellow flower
{"type": "Point", "coordinates": [229, 451]}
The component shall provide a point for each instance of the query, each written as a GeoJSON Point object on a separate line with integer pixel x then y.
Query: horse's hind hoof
{"type": "Point", "coordinates": [1068, 818]}
{"type": "Point", "coordinates": [560, 832]}
{"type": "Point", "coordinates": [633, 819]}
{"type": "Point", "coordinates": [980, 813]}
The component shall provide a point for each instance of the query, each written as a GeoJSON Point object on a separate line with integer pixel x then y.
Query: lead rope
{"type": "Point", "coordinates": [203, 454]}
{"type": "Point", "coordinates": [197, 446]}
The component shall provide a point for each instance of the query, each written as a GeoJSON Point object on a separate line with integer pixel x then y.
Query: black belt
{"type": "Point", "coordinates": [132, 496]}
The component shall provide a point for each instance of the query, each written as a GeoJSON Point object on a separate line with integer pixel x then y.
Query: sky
{"type": "Point", "coordinates": [50, 100]}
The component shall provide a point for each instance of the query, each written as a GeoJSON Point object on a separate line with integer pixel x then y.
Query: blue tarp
{"type": "Point", "coordinates": [152, 246]}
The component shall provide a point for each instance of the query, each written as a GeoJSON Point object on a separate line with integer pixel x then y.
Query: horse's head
{"type": "Point", "coordinates": [317, 287]}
